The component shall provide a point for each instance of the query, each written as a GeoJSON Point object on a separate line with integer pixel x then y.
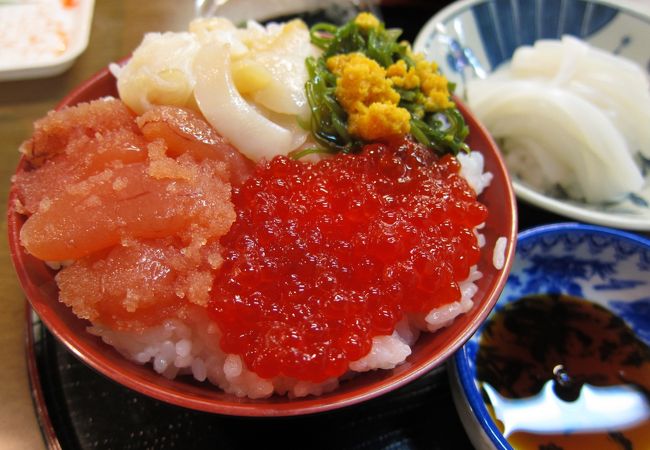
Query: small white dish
{"type": "Point", "coordinates": [471, 38]}
{"type": "Point", "coordinates": [35, 19]}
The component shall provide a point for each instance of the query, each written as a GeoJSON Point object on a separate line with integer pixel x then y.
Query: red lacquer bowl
{"type": "Point", "coordinates": [430, 350]}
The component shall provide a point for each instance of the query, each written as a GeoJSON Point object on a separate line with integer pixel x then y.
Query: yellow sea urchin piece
{"type": "Point", "coordinates": [379, 120]}
{"type": "Point", "coordinates": [425, 76]}
{"type": "Point", "coordinates": [433, 85]}
{"type": "Point", "coordinates": [403, 77]}
{"type": "Point", "coordinates": [366, 21]}
{"type": "Point", "coordinates": [368, 97]}
{"type": "Point", "coordinates": [360, 79]}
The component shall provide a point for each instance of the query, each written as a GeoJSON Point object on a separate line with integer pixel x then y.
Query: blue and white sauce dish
{"type": "Point", "coordinates": [606, 272]}
{"type": "Point", "coordinates": [472, 38]}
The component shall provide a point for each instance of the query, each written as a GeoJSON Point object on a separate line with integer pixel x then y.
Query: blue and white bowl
{"type": "Point", "coordinates": [471, 38]}
{"type": "Point", "coordinates": [609, 267]}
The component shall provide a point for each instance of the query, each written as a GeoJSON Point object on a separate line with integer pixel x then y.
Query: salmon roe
{"type": "Point", "coordinates": [325, 256]}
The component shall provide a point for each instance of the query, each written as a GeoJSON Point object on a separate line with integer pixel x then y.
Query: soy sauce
{"type": "Point", "coordinates": [573, 342]}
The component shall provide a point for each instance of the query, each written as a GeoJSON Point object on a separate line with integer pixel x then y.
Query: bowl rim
{"type": "Point", "coordinates": [572, 210]}
{"type": "Point", "coordinates": [462, 371]}
{"type": "Point", "coordinates": [578, 212]}
{"type": "Point", "coordinates": [233, 407]}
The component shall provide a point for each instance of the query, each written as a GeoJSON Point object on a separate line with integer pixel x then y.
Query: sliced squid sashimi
{"type": "Point", "coordinates": [284, 60]}
{"type": "Point", "coordinates": [628, 109]}
{"type": "Point", "coordinates": [547, 57]}
{"type": "Point", "coordinates": [268, 63]}
{"type": "Point", "coordinates": [159, 72]}
{"type": "Point", "coordinates": [229, 113]}
{"type": "Point", "coordinates": [572, 131]}
{"type": "Point", "coordinates": [619, 87]}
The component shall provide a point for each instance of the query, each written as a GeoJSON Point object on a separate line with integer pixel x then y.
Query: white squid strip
{"type": "Point", "coordinates": [576, 134]}
{"type": "Point", "coordinates": [229, 113]}
{"type": "Point", "coordinates": [617, 86]}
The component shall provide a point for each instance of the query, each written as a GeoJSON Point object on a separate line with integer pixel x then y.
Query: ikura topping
{"type": "Point", "coordinates": [325, 256]}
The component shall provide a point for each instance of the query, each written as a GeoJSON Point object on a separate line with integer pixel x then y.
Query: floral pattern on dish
{"type": "Point", "coordinates": [607, 267]}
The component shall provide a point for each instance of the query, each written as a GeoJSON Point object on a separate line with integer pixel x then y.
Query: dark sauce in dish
{"type": "Point", "coordinates": [573, 342]}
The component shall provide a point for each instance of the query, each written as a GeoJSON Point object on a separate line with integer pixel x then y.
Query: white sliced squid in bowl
{"type": "Point", "coordinates": [247, 82]}
{"type": "Point", "coordinates": [228, 112]}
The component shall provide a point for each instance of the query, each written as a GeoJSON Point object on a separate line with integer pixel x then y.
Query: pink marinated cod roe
{"type": "Point", "coordinates": [322, 257]}
{"type": "Point", "coordinates": [134, 205]}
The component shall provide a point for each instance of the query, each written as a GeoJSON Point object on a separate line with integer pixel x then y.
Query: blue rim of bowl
{"type": "Point", "coordinates": [474, 397]}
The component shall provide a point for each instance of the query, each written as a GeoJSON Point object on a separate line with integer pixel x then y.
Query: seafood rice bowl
{"type": "Point", "coordinates": [269, 209]}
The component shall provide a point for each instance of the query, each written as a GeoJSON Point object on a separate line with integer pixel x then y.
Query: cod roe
{"type": "Point", "coordinates": [323, 257]}
{"type": "Point", "coordinates": [133, 206]}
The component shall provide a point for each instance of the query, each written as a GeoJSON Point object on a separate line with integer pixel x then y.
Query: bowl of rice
{"type": "Point", "coordinates": [162, 314]}
{"type": "Point", "coordinates": [563, 359]}
{"type": "Point", "coordinates": [547, 76]}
